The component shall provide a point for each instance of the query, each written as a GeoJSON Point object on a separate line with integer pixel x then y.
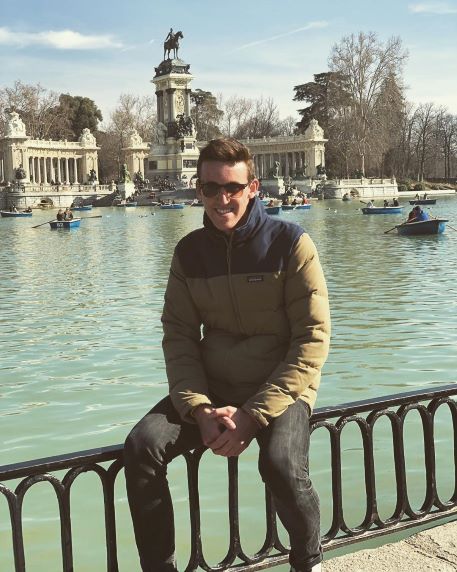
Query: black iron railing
{"type": "Point", "coordinates": [331, 419]}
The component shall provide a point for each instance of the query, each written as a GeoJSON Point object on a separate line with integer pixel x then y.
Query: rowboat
{"type": "Point", "coordinates": [303, 207]}
{"type": "Point", "coordinates": [19, 214]}
{"type": "Point", "coordinates": [73, 223]}
{"type": "Point", "coordinates": [82, 208]}
{"type": "Point", "coordinates": [272, 210]}
{"type": "Point", "coordinates": [432, 226]}
{"type": "Point", "coordinates": [127, 204]}
{"type": "Point", "coordinates": [423, 202]}
{"type": "Point", "coordinates": [288, 207]}
{"type": "Point", "coordinates": [382, 210]}
{"type": "Point", "coordinates": [172, 206]}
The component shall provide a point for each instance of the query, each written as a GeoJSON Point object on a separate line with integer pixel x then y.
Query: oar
{"type": "Point", "coordinates": [47, 222]}
{"type": "Point", "coordinates": [390, 229]}
{"type": "Point", "coordinates": [448, 225]}
{"type": "Point", "coordinates": [84, 217]}
{"type": "Point", "coordinates": [364, 202]}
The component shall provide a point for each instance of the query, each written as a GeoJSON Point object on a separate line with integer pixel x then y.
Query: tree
{"type": "Point", "coordinates": [366, 64]}
{"type": "Point", "coordinates": [81, 112]}
{"type": "Point", "coordinates": [38, 109]}
{"type": "Point", "coordinates": [447, 137]}
{"type": "Point", "coordinates": [424, 130]}
{"type": "Point", "coordinates": [131, 113]}
{"type": "Point", "coordinates": [205, 114]}
{"type": "Point", "coordinates": [327, 95]}
{"type": "Point", "coordinates": [237, 110]}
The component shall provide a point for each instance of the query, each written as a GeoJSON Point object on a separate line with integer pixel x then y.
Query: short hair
{"type": "Point", "coordinates": [226, 150]}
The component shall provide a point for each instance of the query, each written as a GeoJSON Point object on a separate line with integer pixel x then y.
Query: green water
{"type": "Point", "coordinates": [81, 361]}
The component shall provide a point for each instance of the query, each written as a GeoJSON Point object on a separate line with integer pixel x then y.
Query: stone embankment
{"type": "Point", "coordinates": [433, 550]}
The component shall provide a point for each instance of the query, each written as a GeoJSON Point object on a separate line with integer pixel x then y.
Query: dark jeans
{"type": "Point", "coordinates": [283, 464]}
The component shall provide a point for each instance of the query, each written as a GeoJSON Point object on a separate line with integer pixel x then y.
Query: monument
{"type": "Point", "coordinates": [174, 154]}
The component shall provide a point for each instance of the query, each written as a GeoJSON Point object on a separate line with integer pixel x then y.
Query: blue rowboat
{"type": "Point", "coordinates": [432, 226]}
{"type": "Point", "coordinates": [288, 207]}
{"type": "Point", "coordinates": [172, 206]}
{"type": "Point", "coordinates": [423, 202]}
{"type": "Point", "coordinates": [382, 210]}
{"type": "Point", "coordinates": [9, 214]}
{"type": "Point", "coordinates": [82, 208]}
{"type": "Point", "coordinates": [74, 223]}
{"type": "Point", "coordinates": [303, 207]}
{"type": "Point", "coordinates": [272, 210]}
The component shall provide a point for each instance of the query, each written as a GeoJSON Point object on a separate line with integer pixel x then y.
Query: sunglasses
{"type": "Point", "coordinates": [212, 189]}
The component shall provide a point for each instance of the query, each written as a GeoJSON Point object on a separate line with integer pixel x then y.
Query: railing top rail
{"type": "Point", "coordinates": [113, 452]}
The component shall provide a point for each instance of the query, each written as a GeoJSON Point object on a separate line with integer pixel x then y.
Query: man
{"type": "Point", "coordinates": [419, 215]}
{"type": "Point", "coordinates": [256, 286]}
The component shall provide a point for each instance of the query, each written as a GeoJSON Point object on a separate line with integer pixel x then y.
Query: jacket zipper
{"type": "Point", "coordinates": [230, 283]}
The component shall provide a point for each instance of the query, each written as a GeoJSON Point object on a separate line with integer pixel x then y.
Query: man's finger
{"type": "Point", "coordinates": [227, 422]}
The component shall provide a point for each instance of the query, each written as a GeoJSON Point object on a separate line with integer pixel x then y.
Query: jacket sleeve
{"type": "Point", "coordinates": [187, 382]}
{"type": "Point", "coordinates": [307, 308]}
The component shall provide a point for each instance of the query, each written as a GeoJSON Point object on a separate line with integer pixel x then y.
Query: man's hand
{"type": "Point", "coordinates": [240, 430]}
{"type": "Point", "coordinates": [209, 425]}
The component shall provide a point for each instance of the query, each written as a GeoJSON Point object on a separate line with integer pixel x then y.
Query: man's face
{"type": "Point", "coordinates": [225, 212]}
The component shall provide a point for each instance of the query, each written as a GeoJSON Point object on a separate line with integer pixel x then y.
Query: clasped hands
{"type": "Point", "coordinates": [227, 431]}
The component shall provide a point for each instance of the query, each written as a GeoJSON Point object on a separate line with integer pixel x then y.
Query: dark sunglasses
{"type": "Point", "coordinates": [212, 189]}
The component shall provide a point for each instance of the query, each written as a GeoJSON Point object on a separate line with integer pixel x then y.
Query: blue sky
{"type": "Point", "coordinates": [100, 49]}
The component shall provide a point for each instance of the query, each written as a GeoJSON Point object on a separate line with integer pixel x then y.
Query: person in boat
{"type": "Point", "coordinates": [370, 204]}
{"type": "Point", "coordinates": [255, 371]}
{"type": "Point", "coordinates": [419, 215]}
{"type": "Point", "coordinates": [67, 215]}
{"type": "Point", "coordinates": [271, 203]}
{"type": "Point", "coordinates": [28, 210]}
{"type": "Point", "coordinates": [425, 196]}
{"type": "Point", "coordinates": [395, 202]}
{"type": "Point", "coordinates": [386, 203]}
{"type": "Point", "coordinates": [60, 215]}
{"type": "Point", "coordinates": [417, 197]}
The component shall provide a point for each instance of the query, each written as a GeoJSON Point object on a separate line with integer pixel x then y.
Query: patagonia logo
{"type": "Point", "coordinates": [255, 278]}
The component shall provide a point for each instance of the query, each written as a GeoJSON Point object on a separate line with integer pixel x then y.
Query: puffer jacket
{"type": "Point", "coordinates": [246, 317]}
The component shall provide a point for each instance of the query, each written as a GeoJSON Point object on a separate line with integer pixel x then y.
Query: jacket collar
{"type": "Point", "coordinates": [255, 219]}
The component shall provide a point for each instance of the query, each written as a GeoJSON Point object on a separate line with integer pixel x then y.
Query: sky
{"type": "Point", "coordinates": [250, 48]}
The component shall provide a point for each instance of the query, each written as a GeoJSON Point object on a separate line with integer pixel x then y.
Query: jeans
{"type": "Point", "coordinates": [283, 465]}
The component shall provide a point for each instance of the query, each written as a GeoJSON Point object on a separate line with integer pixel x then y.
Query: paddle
{"type": "Point", "coordinates": [83, 217]}
{"type": "Point", "coordinates": [390, 229]}
{"type": "Point", "coordinates": [364, 202]}
{"type": "Point", "coordinates": [43, 223]}
{"type": "Point", "coordinates": [448, 225]}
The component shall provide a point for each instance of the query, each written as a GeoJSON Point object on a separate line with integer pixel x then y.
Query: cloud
{"type": "Point", "coordinates": [59, 40]}
{"type": "Point", "coordinates": [310, 26]}
{"type": "Point", "coordinates": [439, 8]}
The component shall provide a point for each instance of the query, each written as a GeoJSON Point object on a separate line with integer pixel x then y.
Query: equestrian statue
{"type": "Point", "coordinates": [172, 43]}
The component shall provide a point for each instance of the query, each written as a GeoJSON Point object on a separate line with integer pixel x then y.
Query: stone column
{"type": "Point", "coordinates": [67, 171]}
{"type": "Point", "coordinates": [187, 102]}
{"type": "Point", "coordinates": [59, 171]}
{"type": "Point", "coordinates": [160, 114]}
{"type": "Point", "coordinates": [39, 170]}
{"type": "Point", "coordinates": [45, 160]}
{"type": "Point", "coordinates": [171, 104]}
{"type": "Point", "coordinates": [76, 170]}
{"type": "Point", "coordinates": [32, 169]}
{"type": "Point", "coordinates": [52, 173]}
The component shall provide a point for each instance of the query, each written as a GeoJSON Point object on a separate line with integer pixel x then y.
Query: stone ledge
{"type": "Point", "coordinates": [431, 550]}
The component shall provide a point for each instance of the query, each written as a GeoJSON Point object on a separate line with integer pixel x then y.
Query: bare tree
{"type": "Point", "coordinates": [447, 137]}
{"type": "Point", "coordinates": [366, 64]}
{"type": "Point", "coordinates": [39, 109]}
{"type": "Point", "coordinates": [424, 131]}
{"type": "Point", "coordinates": [131, 113]}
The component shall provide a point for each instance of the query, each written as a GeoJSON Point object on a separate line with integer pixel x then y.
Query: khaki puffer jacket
{"type": "Point", "coordinates": [246, 318]}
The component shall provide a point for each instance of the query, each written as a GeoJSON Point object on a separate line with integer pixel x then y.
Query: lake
{"type": "Point", "coordinates": [81, 359]}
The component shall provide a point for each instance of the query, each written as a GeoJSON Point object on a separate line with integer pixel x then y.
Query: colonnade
{"type": "Point", "coordinates": [289, 163]}
{"type": "Point", "coordinates": [55, 169]}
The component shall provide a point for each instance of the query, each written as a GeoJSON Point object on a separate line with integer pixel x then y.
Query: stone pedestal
{"type": "Point", "coordinates": [126, 189]}
{"type": "Point", "coordinates": [274, 187]}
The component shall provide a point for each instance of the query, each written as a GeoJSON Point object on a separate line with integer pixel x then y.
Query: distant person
{"type": "Point", "coordinates": [425, 196]}
{"type": "Point", "coordinates": [417, 197]}
{"type": "Point", "coordinates": [370, 204]}
{"type": "Point", "coordinates": [386, 203]}
{"type": "Point", "coordinates": [68, 215]}
{"type": "Point", "coordinates": [60, 214]}
{"type": "Point", "coordinates": [395, 202]}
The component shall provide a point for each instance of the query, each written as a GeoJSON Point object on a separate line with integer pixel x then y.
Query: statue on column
{"type": "Point", "coordinates": [161, 133]}
{"type": "Point", "coordinates": [15, 127]}
{"type": "Point", "coordinates": [172, 43]}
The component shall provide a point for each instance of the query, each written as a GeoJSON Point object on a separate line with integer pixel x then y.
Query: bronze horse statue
{"type": "Point", "coordinates": [172, 44]}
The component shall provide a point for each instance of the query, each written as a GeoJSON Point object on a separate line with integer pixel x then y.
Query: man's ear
{"type": "Point", "coordinates": [253, 188]}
